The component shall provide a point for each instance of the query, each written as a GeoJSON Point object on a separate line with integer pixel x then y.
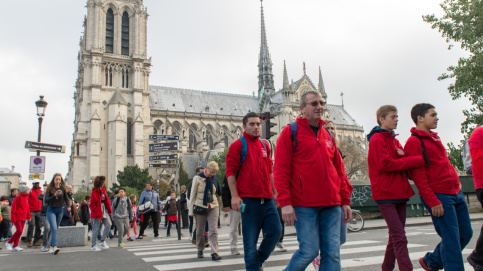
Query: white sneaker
{"type": "Point", "coordinates": [17, 249]}
{"type": "Point", "coordinates": [95, 248]}
{"type": "Point", "coordinates": [56, 250]}
{"type": "Point", "coordinates": [51, 250]}
{"type": "Point", "coordinates": [281, 247]}
{"type": "Point", "coordinates": [9, 246]}
{"type": "Point", "coordinates": [103, 244]}
{"type": "Point", "coordinates": [44, 249]}
{"type": "Point", "coordinates": [235, 251]}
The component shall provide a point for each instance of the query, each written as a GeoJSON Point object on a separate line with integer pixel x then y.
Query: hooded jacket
{"type": "Point", "coordinates": [314, 174]}
{"type": "Point", "coordinates": [20, 208]}
{"type": "Point", "coordinates": [35, 204]}
{"type": "Point", "coordinates": [96, 201]}
{"type": "Point", "coordinates": [437, 177]}
{"type": "Point", "coordinates": [253, 179]}
{"type": "Point", "coordinates": [387, 167]}
{"type": "Point", "coordinates": [476, 149]}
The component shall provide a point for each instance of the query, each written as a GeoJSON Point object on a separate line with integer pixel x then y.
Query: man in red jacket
{"type": "Point", "coordinates": [35, 205]}
{"type": "Point", "coordinates": [389, 184]}
{"type": "Point", "coordinates": [440, 191]}
{"type": "Point", "coordinates": [251, 184]}
{"type": "Point", "coordinates": [311, 184]}
{"type": "Point", "coordinates": [476, 149]}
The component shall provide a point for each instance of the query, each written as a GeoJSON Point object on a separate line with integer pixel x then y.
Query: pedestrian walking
{"type": "Point", "coordinates": [85, 214]}
{"type": "Point", "coordinates": [440, 191]}
{"type": "Point", "coordinates": [6, 221]}
{"type": "Point", "coordinates": [56, 198]}
{"type": "Point", "coordinates": [250, 179]}
{"type": "Point", "coordinates": [171, 209]}
{"type": "Point", "coordinates": [20, 212]}
{"type": "Point", "coordinates": [235, 217]}
{"type": "Point", "coordinates": [13, 194]}
{"type": "Point", "coordinates": [45, 222]}
{"type": "Point", "coordinates": [122, 215]}
{"type": "Point", "coordinates": [133, 224]}
{"type": "Point", "coordinates": [475, 142]}
{"type": "Point", "coordinates": [390, 186]}
{"type": "Point", "coordinates": [152, 197]}
{"type": "Point", "coordinates": [35, 223]}
{"type": "Point", "coordinates": [312, 186]}
{"type": "Point", "coordinates": [100, 213]}
{"type": "Point", "coordinates": [204, 205]}
{"type": "Point", "coordinates": [183, 203]}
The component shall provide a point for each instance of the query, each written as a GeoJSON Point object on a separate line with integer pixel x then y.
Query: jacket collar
{"type": "Point", "coordinates": [421, 133]}
{"type": "Point", "coordinates": [248, 136]}
{"type": "Point", "coordinates": [305, 121]}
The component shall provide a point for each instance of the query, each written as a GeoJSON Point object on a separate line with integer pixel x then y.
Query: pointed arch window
{"type": "Point", "coordinates": [129, 137]}
{"type": "Point", "coordinates": [125, 77]}
{"type": "Point", "coordinates": [109, 31]}
{"type": "Point", "coordinates": [125, 34]}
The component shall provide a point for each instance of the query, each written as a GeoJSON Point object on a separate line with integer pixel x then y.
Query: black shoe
{"type": "Point", "coordinates": [215, 257]}
{"type": "Point", "coordinates": [474, 264]}
{"type": "Point", "coordinates": [200, 254]}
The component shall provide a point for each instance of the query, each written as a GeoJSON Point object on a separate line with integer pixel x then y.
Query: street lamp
{"type": "Point", "coordinates": [41, 105]}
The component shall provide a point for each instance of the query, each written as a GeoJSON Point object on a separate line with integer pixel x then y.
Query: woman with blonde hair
{"type": "Point", "coordinates": [205, 206]}
{"type": "Point", "coordinates": [56, 196]}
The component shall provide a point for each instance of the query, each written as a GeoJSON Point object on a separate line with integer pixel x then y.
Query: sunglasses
{"type": "Point", "coordinates": [315, 103]}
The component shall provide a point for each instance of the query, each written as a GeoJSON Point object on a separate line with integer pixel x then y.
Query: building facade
{"type": "Point", "coordinates": [116, 109]}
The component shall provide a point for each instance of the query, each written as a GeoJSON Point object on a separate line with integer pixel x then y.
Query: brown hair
{"type": "Point", "coordinates": [51, 186]}
{"type": "Point", "coordinates": [131, 198]}
{"type": "Point", "coordinates": [3, 198]}
{"type": "Point", "coordinates": [98, 181]}
{"type": "Point", "coordinates": [383, 111]}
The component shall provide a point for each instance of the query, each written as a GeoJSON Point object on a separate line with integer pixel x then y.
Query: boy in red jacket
{"type": "Point", "coordinates": [19, 213]}
{"type": "Point", "coordinates": [476, 149]}
{"type": "Point", "coordinates": [389, 184]}
{"type": "Point", "coordinates": [440, 191]}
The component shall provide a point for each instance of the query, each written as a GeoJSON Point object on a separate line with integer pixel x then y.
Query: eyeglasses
{"type": "Point", "coordinates": [315, 103]}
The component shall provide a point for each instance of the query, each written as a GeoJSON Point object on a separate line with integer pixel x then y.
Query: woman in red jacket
{"type": "Point", "coordinates": [100, 212]}
{"type": "Point", "coordinates": [19, 213]}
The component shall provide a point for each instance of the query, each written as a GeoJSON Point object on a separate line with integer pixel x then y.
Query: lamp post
{"type": "Point", "coordinates": [41, 105]}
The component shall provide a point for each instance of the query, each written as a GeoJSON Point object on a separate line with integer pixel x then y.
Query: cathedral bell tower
{"type": "Point", "coordinates": [112, 114]}
{"type": "Point", "coordinates": [265, 74]}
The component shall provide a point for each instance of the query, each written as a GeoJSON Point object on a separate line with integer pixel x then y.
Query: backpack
{"type": "Point", "coordinates": [245, 150]}
{"type": "Point", "coordinates": [466, 157]}
{"type": "Point", "coordinates": [293, 135]}
{"type": "Point", "coordinates": [425, 156]}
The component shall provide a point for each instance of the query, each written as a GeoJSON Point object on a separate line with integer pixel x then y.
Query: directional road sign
{"type": "Point", "coordinates": [163, 157]}
{"type": "Point", "coordinates": [163, 137]}
{"type": "Point", "coordinates": [164, 165]}
{"type": "Point", "coordinates": [162, 147]}
{"type": "Point", "coordinates": [38, 146]}
{"type": "Point", "coordinates": [37, 164]}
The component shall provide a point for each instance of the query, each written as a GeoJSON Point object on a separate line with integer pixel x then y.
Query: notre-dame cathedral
{"type": "Point", "coordinates": [116, 109]}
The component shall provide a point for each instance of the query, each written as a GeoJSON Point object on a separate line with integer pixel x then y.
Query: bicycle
{"type": "Point", "coordinates": [357, 222]}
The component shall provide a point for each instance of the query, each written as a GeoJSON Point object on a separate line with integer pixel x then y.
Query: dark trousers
{"type": "Point", "coordinates": [4, 227]}
{"type": "Point", "coordinates": [191, 224]}
{"type": "Point", "coordinates": [168, 231]}
{"type": "Point", "coordinates": [34, 223]}
{"type": "Point", "coordinates": [279, 210]}
{"type": "Point", "coordinates": [477, 255]}
{"type": "Point", "coordinates": [155, 217]}
{"type": "Point", "coordinates": [184, 218]}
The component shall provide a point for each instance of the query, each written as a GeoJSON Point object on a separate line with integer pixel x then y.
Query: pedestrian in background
{"type": "Point", "coordinates": [6, 215]}
{"type": "Point", "coordinates": [122, 215]}
{"type": "Point", "coordinates": [20, 212]}
{"type": "Point", "coordinates": [43, 217]}
{"type": "Point", "coordinates": [100, 212]}
{"type": "Point", "coordinates": [85, 214]}
{"type": "Point", "coordinates": [133, 225]}
{"type": "Point", "coordinates": [235, 217]}
{"type": "Point", "coordinates": [183, 203]}
{"type": "Point", "coordinates": [56, 198]}
{"type": "Point", "coordinates": [171, 209]}
{"type": "Point", "coordinates": [35, 223]}
{"type": "Point", "coordinates": [149, 195]}
{"type": "Point", "coordinates": [13, 194]}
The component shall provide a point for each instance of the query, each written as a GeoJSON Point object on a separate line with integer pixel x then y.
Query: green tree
{"type": "Point", "coordinates": [130, 190]}
{"type": "Point", "coordinates": [183, 178]}
{"type": "Point", "coordinates": [220, 159]}
{"type": "Point", "coordinates": [132, 176]}
{"type": "Point", "coordinates": [463, 23]}
{"type": "Point", "coordinates": [454, 155]}
{"type": "Point", "coordinates": [79, 196]}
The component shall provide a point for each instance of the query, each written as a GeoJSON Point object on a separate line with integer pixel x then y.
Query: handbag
{"type": "Point", "coordinates": [145, 208]}
{"type": "Point", "coordinates": [198, 210]}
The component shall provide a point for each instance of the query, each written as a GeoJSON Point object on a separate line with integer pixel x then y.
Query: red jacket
{"type": "Point", "coordinates": [387, 168]}
{"type": "Point", "coordinates": [95, 206]}
{"type": "Point", "coordinates": [20, 208]}
{"type": "Point", "coordinates": [34, 203]}
{"type": "Point", "coordinates": [314, 174]}
{"type": "Point", "coordinates": [437, 177]}
{"type": "Point", "coordinates": [254, 176]}
{"type": "Point", "coordinates": [476, 149]}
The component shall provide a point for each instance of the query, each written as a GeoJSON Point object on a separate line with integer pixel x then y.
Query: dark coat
{"type": "Point", "coordinates": [172, 207]}
{"type": "Point", "coordinates": [183, 202]}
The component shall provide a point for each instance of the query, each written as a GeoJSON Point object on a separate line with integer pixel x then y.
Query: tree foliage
{"type": "Point", "coordinates": [454, 155]}
{"type": "Point", "coordinates": [463, 23]}
{"type": "Point", "coordinates": [220, 159]}
{"type": "Point", "coordinates": [132, 176]}
{"type": "Point", "coordinates": [355, 160]}
{"type": "Point", "coordinates": [183, 178]}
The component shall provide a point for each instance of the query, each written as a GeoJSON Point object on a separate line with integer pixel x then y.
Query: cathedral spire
{"type": "Point", "coordinates": [265, 75]}
{"type": "Point", "coordinates": [286, 85]}
{"type": "Point", "coordinates": [321, 85]}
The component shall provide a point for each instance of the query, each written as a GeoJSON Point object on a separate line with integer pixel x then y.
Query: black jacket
{"type": "Point", "coordinates": [189, 189]}
{"type": "Point", "coordinates": [225, 193]}
{"type": "Point", "coordinates": [183, 201]}
{"type": "Point", "coordinates": [84, 213]}
{"type": "Point", "coordinates": [10, 199]}
{"type": "Point", "coordinates": [43, 210]}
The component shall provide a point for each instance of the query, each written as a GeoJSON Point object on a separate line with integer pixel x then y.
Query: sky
{"type": "Point", "coordinates": [376, 52]}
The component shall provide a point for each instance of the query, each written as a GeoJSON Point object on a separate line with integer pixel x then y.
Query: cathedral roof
{"type": "Point", "coordinates": [338, 115]}
{"type": "Point", "coordinates": [197, 101]}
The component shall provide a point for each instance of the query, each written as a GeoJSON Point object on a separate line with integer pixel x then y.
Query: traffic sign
{"type": "Point", "coordinates": [163, 137]}
{"type": "Point", "coordinates": [38, 146]}
{"type": "Point", "coordinates": [164, 165]}
{"type": "Point", "coordinates": [36, 176]}
{"type": "Point", "coordinates": [162, 147]}
{"type": "Point", "coordinates": [163, 157]}
{"type": "Point", "coordinates": [37, 164]}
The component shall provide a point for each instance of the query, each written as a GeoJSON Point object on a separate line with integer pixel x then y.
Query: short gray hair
{"type": "Point", "coordinates": [303, 99]}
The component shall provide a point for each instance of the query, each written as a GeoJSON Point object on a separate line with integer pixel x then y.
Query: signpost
{"type": "Point", "coordinates": [162, 147]}
{"type": "Point", "coordinates": [37, 164]}
{"type": "Point", "coordinates": [36, 176]}
{"type": "Point", "coordinates": [164, 165]}
{"type": "Point", "coordinates": [44, 147]}
{"type": "Point", "coordinates": [163, 157]}
{"type": "Point", "coordinates": [163, 137]}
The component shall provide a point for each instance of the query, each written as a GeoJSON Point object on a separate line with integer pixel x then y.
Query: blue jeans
{"type": "Point", "coordinates": [259, 216]}
{"type": "Point", "coordinates": [455, 230]}
{"type": "Point", "coordinates": [54, 216]}
{"type": "Point", "coordinates": [318, 228]}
